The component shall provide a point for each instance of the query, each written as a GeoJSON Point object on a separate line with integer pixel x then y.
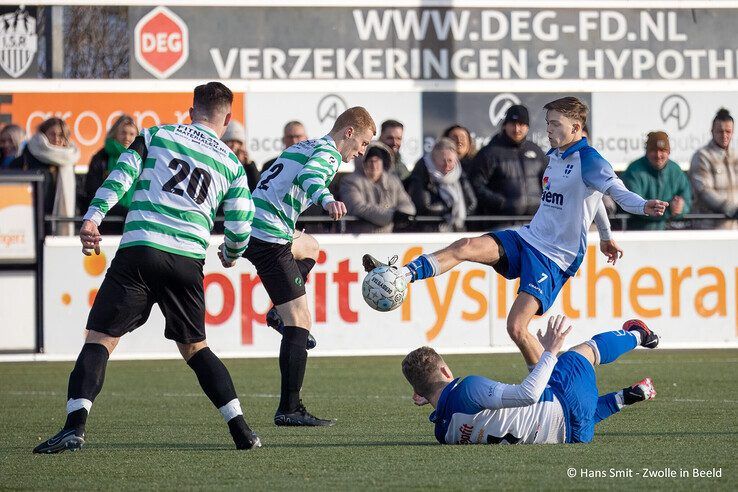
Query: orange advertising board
{"type": "Point", "coordinates": [90, 114]}
{"type": "Point", "coordinates": [17, 225]}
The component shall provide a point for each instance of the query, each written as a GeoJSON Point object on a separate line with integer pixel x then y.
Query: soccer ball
{"type": "Point", "coordinates": [384, 288]}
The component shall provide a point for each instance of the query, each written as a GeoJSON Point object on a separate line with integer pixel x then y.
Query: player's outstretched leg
{"type": "Point", "coordinates": [649, 339]}
{"type": "Point", "coordinates": [216, 382]}
{"type": "Point", "coordinates": [612, 403]}
{"type": "Point", "coordinates": [85, 382]}
{"type": "Point", "coordinates": [482, 249]}
{"type": "Point", "coordinates": [608, 346]}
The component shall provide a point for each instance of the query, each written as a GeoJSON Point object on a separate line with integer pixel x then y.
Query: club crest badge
{"type": "Point", "coordinates": [18, 42]}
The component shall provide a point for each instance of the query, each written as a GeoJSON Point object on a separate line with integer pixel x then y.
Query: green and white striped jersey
{"type": "Point", "coordinates": [299, 177]}
{"type": "Point", "coordinates": [182, 173]}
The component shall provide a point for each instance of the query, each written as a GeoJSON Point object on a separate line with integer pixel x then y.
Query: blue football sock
{"type": "Point", "coordinates": [607, 405]}
{"type": "Point", "coordinates": [613, 344]}
{"type": "Point", "coordinates": [424, 266]}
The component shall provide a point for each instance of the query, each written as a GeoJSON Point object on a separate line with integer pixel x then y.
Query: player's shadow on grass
{"type": "Point", "coordinates": [181, 446]}
{"type": "Point", "coordinates": [349, 444]}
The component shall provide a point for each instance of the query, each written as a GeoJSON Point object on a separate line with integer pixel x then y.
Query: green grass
{"type": "Point", "coordinates": [152, 428]}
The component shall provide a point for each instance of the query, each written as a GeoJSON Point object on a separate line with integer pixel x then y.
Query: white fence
{"type": "Point", "coordinates": [684, 284]}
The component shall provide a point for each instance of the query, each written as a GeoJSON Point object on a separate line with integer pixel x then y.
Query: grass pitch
{"type": "Point", "coordinates": [152, 427]}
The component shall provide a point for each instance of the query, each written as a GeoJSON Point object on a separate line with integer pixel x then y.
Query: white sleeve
{"type": "Point", "coordinates": [631, 202]}
{"type": "Point", "coordinates": [501, 395]}
{"type": "Point", "coordinates": [602, 222]}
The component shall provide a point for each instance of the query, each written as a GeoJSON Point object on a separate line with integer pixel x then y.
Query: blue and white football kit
{"type": "Point", "coordinates": [549, 250]}
{"type": "Point", "coordinates": [556, 403]}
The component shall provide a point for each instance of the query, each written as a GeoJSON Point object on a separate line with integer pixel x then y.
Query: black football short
{"type": "Point", "coordinates": [140, 276]}
{"type": "Point", "coordinates": [277, 270]}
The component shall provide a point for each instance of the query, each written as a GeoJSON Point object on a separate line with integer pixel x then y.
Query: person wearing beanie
{"type": "Point", "coordinates": [507, 172]}
{"type": "Point", "coordinates": [656, 175]}
{"type": "Point", "coordinates": [235, 138]}
{"type": "Point", "coordinates": [374, 194]}
{"type": "Point", "coordinates": [714, 176]}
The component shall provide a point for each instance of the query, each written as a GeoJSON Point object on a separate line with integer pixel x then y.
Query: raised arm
{"type": "Point", "coordinates": [598, 174]}
{"type": "Point", "coordinates": [529, 391]}
{"type": "Point", "coordinates": [500, 395]}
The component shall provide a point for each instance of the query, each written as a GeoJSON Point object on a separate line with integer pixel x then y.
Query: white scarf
{"type": "Point", "coordinates": [53, 155]}
{"type": "Point", "coordinates": [452, 194]}
{"type": "Point", "coordinates": [64, 159]}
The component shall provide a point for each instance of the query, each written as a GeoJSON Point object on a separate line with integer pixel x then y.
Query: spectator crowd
{"type": "Point", "coordinates": [439, 193]}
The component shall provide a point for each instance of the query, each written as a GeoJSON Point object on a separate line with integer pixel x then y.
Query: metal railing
{"type": "Point", "coordinates": [618, 221]}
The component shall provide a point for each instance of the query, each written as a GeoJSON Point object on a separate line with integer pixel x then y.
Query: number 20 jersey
{"type": "Point", "coordinates": [181, 174]}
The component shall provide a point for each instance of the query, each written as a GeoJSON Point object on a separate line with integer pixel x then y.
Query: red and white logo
{"type": "Point", "coordinates": [161, 40]}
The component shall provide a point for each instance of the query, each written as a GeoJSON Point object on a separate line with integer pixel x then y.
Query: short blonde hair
{"type": "Point", "coordinates": [357, 117]}
{"type": "Point", "coordinates": [421, 369]}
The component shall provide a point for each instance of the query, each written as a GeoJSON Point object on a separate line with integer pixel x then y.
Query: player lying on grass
{"type": "Point", "coordinates": [557, 402]}
{"type": "Point", "coordinates": [548, 251]}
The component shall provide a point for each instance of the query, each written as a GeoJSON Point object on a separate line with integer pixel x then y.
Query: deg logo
{"type": "Point", "coordinates": [675, 111]}
{"type": "Point", "coordinates": [161, 40]}
{"type": "Point", "coordinates": [499, 106]}
{"type": "Point", "coordinates": [330, 106]}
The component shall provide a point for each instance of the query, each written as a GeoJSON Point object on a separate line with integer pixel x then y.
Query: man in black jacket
{"type": "Point", "coordinates": [507, 172]}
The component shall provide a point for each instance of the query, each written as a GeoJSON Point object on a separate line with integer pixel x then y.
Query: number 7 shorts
{"type": "Point", "coordinates": [539, 276]}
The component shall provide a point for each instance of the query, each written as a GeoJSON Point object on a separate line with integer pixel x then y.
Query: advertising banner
{"type": "Point", "coordinates": [684, 285]}
{"type": "Point", "coordinates": [91, 114]}
{"type": "Point", "coordinates": [483, 113]}
{"type": "Point", "coordinates": [17, 222]}
{"type": "Point", "coordinates": [621, 122]}
{"type": "Point", "coordinates": [18, 307]}
{"type": "Point", "coordinates": [439, 42]}
{"type": "Point", "coordinates": [267, 112]}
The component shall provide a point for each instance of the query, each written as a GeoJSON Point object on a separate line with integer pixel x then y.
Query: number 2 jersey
{"type": "Point", "coordinates": [181, 174]}
{"type": "Point", "coordinates": [298, 178]}
{"type": "Point", "coordinates": [477, 410]}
